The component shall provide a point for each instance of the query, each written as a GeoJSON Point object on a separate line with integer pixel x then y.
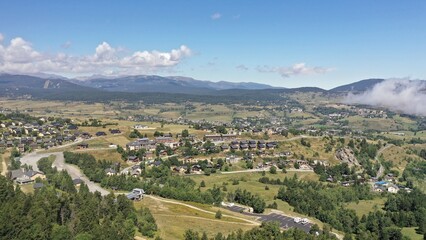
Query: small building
{"type": "Point", "coordinates": [86, 135]}
{"type": "Point", "coordinates": [133, 158]}
{"type": "Point", "coordinates": [72, 127]}
{"type": "Point", "coordinates": [21, 176]}
{"type": "Point", "coordinates": [224, 147]}
{"type": "Point", "coordinates": [234, 147]}
{"type": "Point", "coordinates": [101, 134]}
{"type": "Point", "coordinates": [140, 127]}
{"type": "Point", "coordinates": [82, 146]}
{"type": "Point", "coordinates": [252, 146]}
{"type": "Point", "coordinates": [196, 168]}
{"type": "Point", "coordinates": [136, 194]}
{"type": "Point", "coordinates": [393, 189]}
{"type": "Point", "coordinates": [115, 131]}
{"type": "Point", "coordinates": [110, 172]}
{"type": "Point", "coordinates": [136, 170]}
{"type": "Point", "coordinates": [77, 182]}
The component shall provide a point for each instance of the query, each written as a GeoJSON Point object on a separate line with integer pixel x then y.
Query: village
{"type": "Point", "coordinates": [195, 154]}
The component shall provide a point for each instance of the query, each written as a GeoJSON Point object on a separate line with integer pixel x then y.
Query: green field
{"type": "Point", "coordinates": [411, 233]}
{"type": "Point", "coordinates": [173, 219]}
{"type": "Point", "coordinates": [363, 207]}
{"type": "Point", "coordinates": [250, 182]}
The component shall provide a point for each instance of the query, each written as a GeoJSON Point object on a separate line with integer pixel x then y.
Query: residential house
{"type": "Point", "coordinates": [115, 131]}
{"type": "Point", "coordinates": [82, 145]}
{"type": "Point", "coordinates": [86, 135]}
{"type": "Point", "coordinates": [22, 176]}
{"type": "Point", "coordinates": [224, 147]}
{"type": "Point", "coordinates": [77, 182]}
{"type": "Point", "coordinates": [133, 158]}
{"type": "Point", "coordinates": [101, 134]}
{"type": "Point", "coordinates": [110, 172]}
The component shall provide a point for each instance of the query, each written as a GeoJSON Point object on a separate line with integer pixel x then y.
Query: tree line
{"type": "Point", "coordinates": [65, 214]}
{"type": "Point", "coordinates": [327, 203]}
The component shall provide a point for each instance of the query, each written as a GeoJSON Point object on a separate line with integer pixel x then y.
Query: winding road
{"type": "Point", "coordinates": [32, 159]}
{"type": "Point", "coordinates": [381, 169]}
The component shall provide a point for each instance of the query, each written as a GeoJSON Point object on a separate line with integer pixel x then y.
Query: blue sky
{"type": "Point", "coordinates": [282, 43]}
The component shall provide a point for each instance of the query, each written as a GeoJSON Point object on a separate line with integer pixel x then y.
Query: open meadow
{"type": "Point", "coordinates": [174, 218]}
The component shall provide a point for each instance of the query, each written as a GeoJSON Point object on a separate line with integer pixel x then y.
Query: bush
{"type": "Point", "coordinates": [218, 214]}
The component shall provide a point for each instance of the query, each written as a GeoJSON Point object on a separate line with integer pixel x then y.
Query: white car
{"type": "Point", "coordinates": [304, 221]}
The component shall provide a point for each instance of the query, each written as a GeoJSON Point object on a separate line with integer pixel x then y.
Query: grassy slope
{"type": "Point", "coordinates": [249, 181]}
{"type": "Point", "coordinates": [411, 233]}
{"type": "Point", "coordinates": [173, 219]}
{"type": "Point", "coordinates": [317, 145]}
{"type": "Point", "coordinates": [398, 156]}
{"type": "Point", "coordinates": [363, 207]}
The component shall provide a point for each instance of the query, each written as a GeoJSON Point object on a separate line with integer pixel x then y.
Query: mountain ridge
{"type": "Point", "coordinates": [157, 84]}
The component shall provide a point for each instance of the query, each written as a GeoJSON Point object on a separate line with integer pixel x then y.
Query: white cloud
{"type": "Point", "coordinates": [402, 95]}
{"type": "Point", "coordinates": [20, 57]}
{"type": "Point", "coordinates": [294, 70]}
{"type": "Point", "coordinates": [242, 67]}
{"type": "Point", "coordinates": [66, 45]}
{"type": "Point", "coordinates": [1, 37]}
{"type": "Point", "coordinates": [216, 16]}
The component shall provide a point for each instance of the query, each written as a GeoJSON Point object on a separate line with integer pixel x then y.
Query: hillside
{"type": "Point", "coordinates": [359, 86]}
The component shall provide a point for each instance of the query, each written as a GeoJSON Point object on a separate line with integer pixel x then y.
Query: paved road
{"type": "Point", "coordinates": [32, 159]}
{"type": "Point", "coordinates": [128, 169]}
{"type": "Point", "coordinates": [285, 221]}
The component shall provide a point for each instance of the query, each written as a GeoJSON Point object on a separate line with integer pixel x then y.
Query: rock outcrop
{"type": "Point", "coordinates": [346, 155]}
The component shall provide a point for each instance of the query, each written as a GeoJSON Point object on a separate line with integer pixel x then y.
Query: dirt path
{"type": "Point", "coordinates": [4, 167]}
{"type": "Point", "coordinates": [381, 169]}
{"type": "Point", "coordinates": [201, 210]}
{"type": "Point", "coordinates": [205, 219]}
{"type": "Point", "coordinates": [266, 170]}
{"type": "Point", "coordinates": [298, 137]}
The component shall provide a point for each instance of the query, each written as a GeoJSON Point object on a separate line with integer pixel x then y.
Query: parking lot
{"type": "Point", "coordinates": [285, 221]}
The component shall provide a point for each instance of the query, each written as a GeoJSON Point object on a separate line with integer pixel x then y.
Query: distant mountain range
{"type": "Point", "coordinates": [173, 84]}
{"type": "Point", "coordinates": [48, 86]}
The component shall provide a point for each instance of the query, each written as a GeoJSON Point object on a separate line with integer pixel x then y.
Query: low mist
{"type": "Point", "coordinates": [400, 95]}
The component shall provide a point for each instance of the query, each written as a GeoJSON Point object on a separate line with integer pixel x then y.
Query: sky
{"type": "Point", "coordinates": [281, 43]}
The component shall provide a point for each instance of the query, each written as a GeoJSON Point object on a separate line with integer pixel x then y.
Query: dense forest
{"type": "Point", "coordinates": [63, 214]}
{"type": "Point", "coordinates": [326, 203]}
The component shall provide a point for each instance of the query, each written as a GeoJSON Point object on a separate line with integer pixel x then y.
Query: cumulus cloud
{"type": "Point", "coordinates": [1, 37]}
{"type": "Point", "coordinates": [294, 70]}
{"type": "Point", "coordinates": [20, 57]}
{"type": "Point", "coordinates": [216, 16]}
{"type": "Point", "coordinates": [401, 95]}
